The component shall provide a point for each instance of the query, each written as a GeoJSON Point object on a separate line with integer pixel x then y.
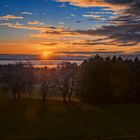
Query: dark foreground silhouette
{"type": "Point", "coordinates": [54, 120]}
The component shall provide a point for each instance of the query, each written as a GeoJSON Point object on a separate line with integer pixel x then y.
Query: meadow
{"type": "Point", "coordinates": [53, 120]}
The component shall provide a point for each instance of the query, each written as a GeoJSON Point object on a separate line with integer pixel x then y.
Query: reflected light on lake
{"type": "Point", "coordinates": [39, 63]}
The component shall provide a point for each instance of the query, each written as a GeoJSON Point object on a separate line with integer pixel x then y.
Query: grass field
{"type": "Point", "coordinates": [32, 119]}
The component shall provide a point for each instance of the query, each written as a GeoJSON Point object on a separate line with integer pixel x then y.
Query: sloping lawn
{"type": "Point", "coordinates": [33, 119]}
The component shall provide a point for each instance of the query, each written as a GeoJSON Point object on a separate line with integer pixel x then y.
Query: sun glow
{"type": "Point", "coordinates": [46, 55]}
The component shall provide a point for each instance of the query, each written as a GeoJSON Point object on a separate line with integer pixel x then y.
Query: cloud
{"type": "Point", "coordinates": [26, 13]}
{"type": "Point", "coordinates": [61, 23]}
{"type": "Point", "coordinates": [122, 29]}
{"type": "Point", "coordinates": [45, 31]}
{"type": "Point", "coordinates": [9, 17]}
{"type": "Point", "coordinates": [35, 22]}
{"type": "Point", "coordinates": [50, 43]}
{"type": "Point", "coordinates": [125, 27]}
{"type": "Point", "coordinates": [95, 52]}
{"type": "Point", "coordinates": [94, 17]}
{"type": "Point", "coordinates": [113, 4]}
{"type": "Point", "coordinates": [83, 38]}
{"type": "Point", "coordinates": [100, 13]}
{"type": "Point", "coordinates": [79, 21]}
{"type": "Point", "coordinates": [102, 16]}
{"type": "Point", "coordinates": [87, 43]}
{"type": "Point", "coordinates": [40, 28]}
{"type": "Point", "coordinates": [62, 6]}
{"type": "Point", "coordinates": [106, 35]}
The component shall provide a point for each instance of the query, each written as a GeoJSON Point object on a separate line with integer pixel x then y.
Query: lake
{"type": "Point", "coordinates": [40, 63]}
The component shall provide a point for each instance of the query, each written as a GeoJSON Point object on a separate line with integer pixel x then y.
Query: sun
{"type": "Point", "coordinates": [46, 55]}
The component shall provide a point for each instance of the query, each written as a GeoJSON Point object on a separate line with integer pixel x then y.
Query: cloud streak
{"type": "Point", "coordinates": [9, 17]}
{"type": "Point", "coordinates": [124, 28]}
{"type": "Point", "coordinates": [26, 13]}
{"type": "Point", "coordinates": [35, 23]}
{"type": "Point", "coordinates": [113, 4]}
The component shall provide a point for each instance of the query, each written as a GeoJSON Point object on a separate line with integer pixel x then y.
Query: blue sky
{"type": "Point", "coordinates": [50, 12]}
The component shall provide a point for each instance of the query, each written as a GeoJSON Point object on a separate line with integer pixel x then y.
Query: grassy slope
{"type": "Point", "coordinates": [31, 119]}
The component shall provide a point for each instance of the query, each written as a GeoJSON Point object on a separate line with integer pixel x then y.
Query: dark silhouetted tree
{"type": "Point", "coordinates": [66, 73]}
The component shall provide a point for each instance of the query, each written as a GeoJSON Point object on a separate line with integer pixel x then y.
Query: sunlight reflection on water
{"type": "Point", "coordinates": [39, 63]}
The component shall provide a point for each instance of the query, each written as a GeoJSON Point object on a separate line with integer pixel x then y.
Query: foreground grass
{"type": "Point", "coordinates": [32, 119]}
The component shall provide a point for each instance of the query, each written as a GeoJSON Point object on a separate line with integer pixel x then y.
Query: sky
{"type": "Point", "coordinates": [70, 28]}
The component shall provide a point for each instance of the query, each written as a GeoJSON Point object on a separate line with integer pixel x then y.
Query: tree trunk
{"type": "Point", "coordinates": [14, 94]}
{"type": "Point", "coordinates": [19, 95]}
{"type": "Point", "coordinates": [44, 96]}
{"type": "Point", "coordinates": [69, 96]}
{"type": "Point", "coordinates": [64, 98]}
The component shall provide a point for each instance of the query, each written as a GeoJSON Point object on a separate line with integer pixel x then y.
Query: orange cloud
{"type": "Point", "coordinates": [41, 28]}
{"type": "Point", "coordinates": [35, 23]}
{"type": "Point", "coordinates": [94, 3]}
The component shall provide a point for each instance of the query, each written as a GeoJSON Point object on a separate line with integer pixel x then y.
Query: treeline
{"type": "Point", "coordinates": [109, 80]}
{"type": "Point", "coordinates": [96, 80]}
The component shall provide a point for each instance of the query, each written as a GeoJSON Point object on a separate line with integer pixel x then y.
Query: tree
{"type": "Point", "coordinates": [66, 73]}
{"type": "Point", "coordinates": [46, 80]}
{"type": "Point", "coordinates": [90, 77]}
{"type": "Point", "coordinates": [121, 82]}
{"type": "Point", "coordinates": [106, 80]}
{"type": "Point", "coordinates": [17, 77]}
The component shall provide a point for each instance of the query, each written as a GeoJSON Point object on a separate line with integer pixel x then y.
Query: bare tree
{"type": "Point", "coordinates": [46, 81]}
{"type": "Point", "coordinates": [17, 78]}
{"type": "Point", "coordinates": [66, 79]}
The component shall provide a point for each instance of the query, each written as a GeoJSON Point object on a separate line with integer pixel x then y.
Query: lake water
{"type": "Point", "coordinates": [39, 63]}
